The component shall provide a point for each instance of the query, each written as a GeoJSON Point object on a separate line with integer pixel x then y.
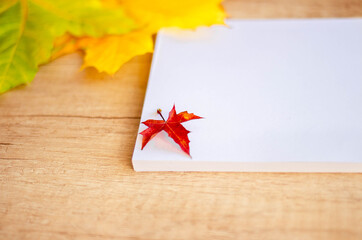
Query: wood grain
{"type": "Point", "coordinates": [66, 143]}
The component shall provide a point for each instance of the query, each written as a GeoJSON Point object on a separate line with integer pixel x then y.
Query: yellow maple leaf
{"type": "Point", "coordinates": [109, 53]}
{"type": "Point", "coordinates": [157, 14]}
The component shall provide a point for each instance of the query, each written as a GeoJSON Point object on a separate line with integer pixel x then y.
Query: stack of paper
{"type": "Point", "coordinates": [276, 95]}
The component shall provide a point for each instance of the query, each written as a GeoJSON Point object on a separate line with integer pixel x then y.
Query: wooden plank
{"type": "Point", "coordinates": [66, 143]}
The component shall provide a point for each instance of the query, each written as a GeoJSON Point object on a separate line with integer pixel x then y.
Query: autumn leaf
{"type": "Point", "coordinates": [157, 14]}
{"type": "Point", "coordinates": [109, 53]}
{"type": "Point", "coordinates": [101, 50]}
{"type": "Point", "coordinates": [172, 126]}
{"type": "Point", "coordinates": [29, 28]}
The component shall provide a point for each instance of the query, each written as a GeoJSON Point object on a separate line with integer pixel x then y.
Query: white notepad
{"type": "Point", "coordinates": [276, 95]}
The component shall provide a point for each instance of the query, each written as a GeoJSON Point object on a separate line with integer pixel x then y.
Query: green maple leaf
{"type": "Point", "coordinates": [28, 29]}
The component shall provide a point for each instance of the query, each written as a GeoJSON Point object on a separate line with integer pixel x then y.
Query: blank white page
{"type": "Point", "coordinates": [276, 95]}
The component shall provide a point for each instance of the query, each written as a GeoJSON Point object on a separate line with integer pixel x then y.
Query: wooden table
{"type": "Point", "coordinates": [66, 143]}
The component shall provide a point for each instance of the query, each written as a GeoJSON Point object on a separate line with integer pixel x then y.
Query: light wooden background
{"type": "Point", "coordinates": [66, 143]}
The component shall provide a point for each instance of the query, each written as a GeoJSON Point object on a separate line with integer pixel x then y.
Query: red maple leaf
{"type": "Point", "coordinates": [172, 126]}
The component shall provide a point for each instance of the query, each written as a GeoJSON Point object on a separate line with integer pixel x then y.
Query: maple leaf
{"type": "Point", "coordinates": [29, 28]}
{"type": "Point", "coordinates": [100, 51]}
{"type": "Point", "coordinates": [109, 53]}
{"type": "Point", "coordinates": [172, 126]}
{"type": "Point", "coordinates": [157, 14]}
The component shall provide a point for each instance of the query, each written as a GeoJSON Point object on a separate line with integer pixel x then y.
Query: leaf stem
{"type": "Point", "coordinates": [159, 112]}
